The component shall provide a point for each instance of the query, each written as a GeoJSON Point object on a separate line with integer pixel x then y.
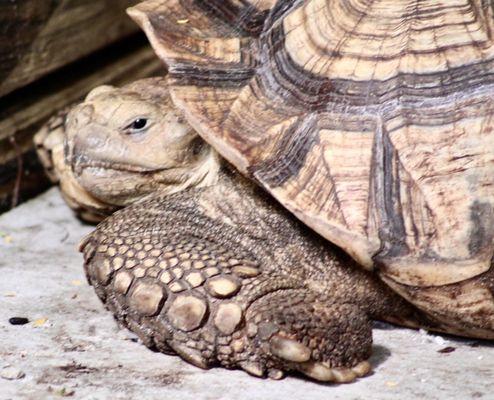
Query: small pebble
{"type": "Point", "coordinates": [18, 321]}
{"type": "Point", "coordinates": [448, 349]}
{"type": "Point", "coordinates": [12, 373]}
{"type": "Point", "coordinates": [61, 391]}
{"type": "Point", "coordinates": [40, 322]}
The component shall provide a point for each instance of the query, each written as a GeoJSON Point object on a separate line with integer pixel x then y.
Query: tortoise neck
{"type": "Point", "coordinates": [206, 172]}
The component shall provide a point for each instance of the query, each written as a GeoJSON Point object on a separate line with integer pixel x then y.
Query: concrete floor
{"type": "Point", "coordinates": [72, 347]}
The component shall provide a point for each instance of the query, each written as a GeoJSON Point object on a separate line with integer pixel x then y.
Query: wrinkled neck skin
{"type": "Point", "coordinates": [205, 172]}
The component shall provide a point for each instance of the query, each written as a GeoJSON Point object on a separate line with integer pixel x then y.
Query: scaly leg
{"type": "Point", "coordinates": [221, 277]}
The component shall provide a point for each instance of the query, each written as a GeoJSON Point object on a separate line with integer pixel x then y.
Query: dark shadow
{"type": "Point", "coordinates": [379, 355]}
{"type": "Point", "coordinates": [473, 342]}
{"type": "Point", "coordinates": [384, 326]}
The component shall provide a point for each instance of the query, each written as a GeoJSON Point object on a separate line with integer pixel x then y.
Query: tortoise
{"type": "Point", "coordinates": [371, 124]}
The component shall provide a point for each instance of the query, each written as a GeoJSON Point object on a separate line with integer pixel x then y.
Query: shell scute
{"type": "Point", "coordinates": [372, 122]}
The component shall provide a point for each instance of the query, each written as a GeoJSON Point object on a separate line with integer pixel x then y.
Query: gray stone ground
{"type": "Point", "coordinates": [72, 347]}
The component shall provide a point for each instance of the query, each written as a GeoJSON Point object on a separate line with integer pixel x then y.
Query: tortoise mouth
{"type": "Point", "coordinates": [117, 184]}
{"type": "Point", "coordinates": [85, 164]}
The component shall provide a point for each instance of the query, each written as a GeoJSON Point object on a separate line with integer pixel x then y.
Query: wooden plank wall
{"type": "Point", "coordinates": [51, 54]}
{"type": "Point", "coordinates": [37, 37]}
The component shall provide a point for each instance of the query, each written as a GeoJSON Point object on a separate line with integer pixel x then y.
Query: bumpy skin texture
{"type": "Point", "coordinates": [222, 275]}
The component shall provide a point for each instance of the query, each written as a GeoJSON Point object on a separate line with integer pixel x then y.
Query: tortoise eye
{"type": "Point", "coordinates": [137, 125]}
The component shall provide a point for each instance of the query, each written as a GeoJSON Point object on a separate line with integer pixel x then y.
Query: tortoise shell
{"type": "Point", "coordinates": [373, 122]}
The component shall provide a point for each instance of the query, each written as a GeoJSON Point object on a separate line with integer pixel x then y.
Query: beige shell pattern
{"type": "Point", "coordinates": [371, 121]}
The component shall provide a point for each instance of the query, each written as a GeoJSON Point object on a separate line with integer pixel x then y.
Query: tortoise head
{"type": "Point", "coordinates": [125, 143]}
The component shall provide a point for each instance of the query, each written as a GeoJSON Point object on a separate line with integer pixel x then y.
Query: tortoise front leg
{"type": "Point", "coordinates": [188, 284]}
{"type": "Point", "coordinates": [215, 308]}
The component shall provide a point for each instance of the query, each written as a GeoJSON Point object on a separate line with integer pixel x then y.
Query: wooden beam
{"type": "Point", "coordinates": [37, 37]}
